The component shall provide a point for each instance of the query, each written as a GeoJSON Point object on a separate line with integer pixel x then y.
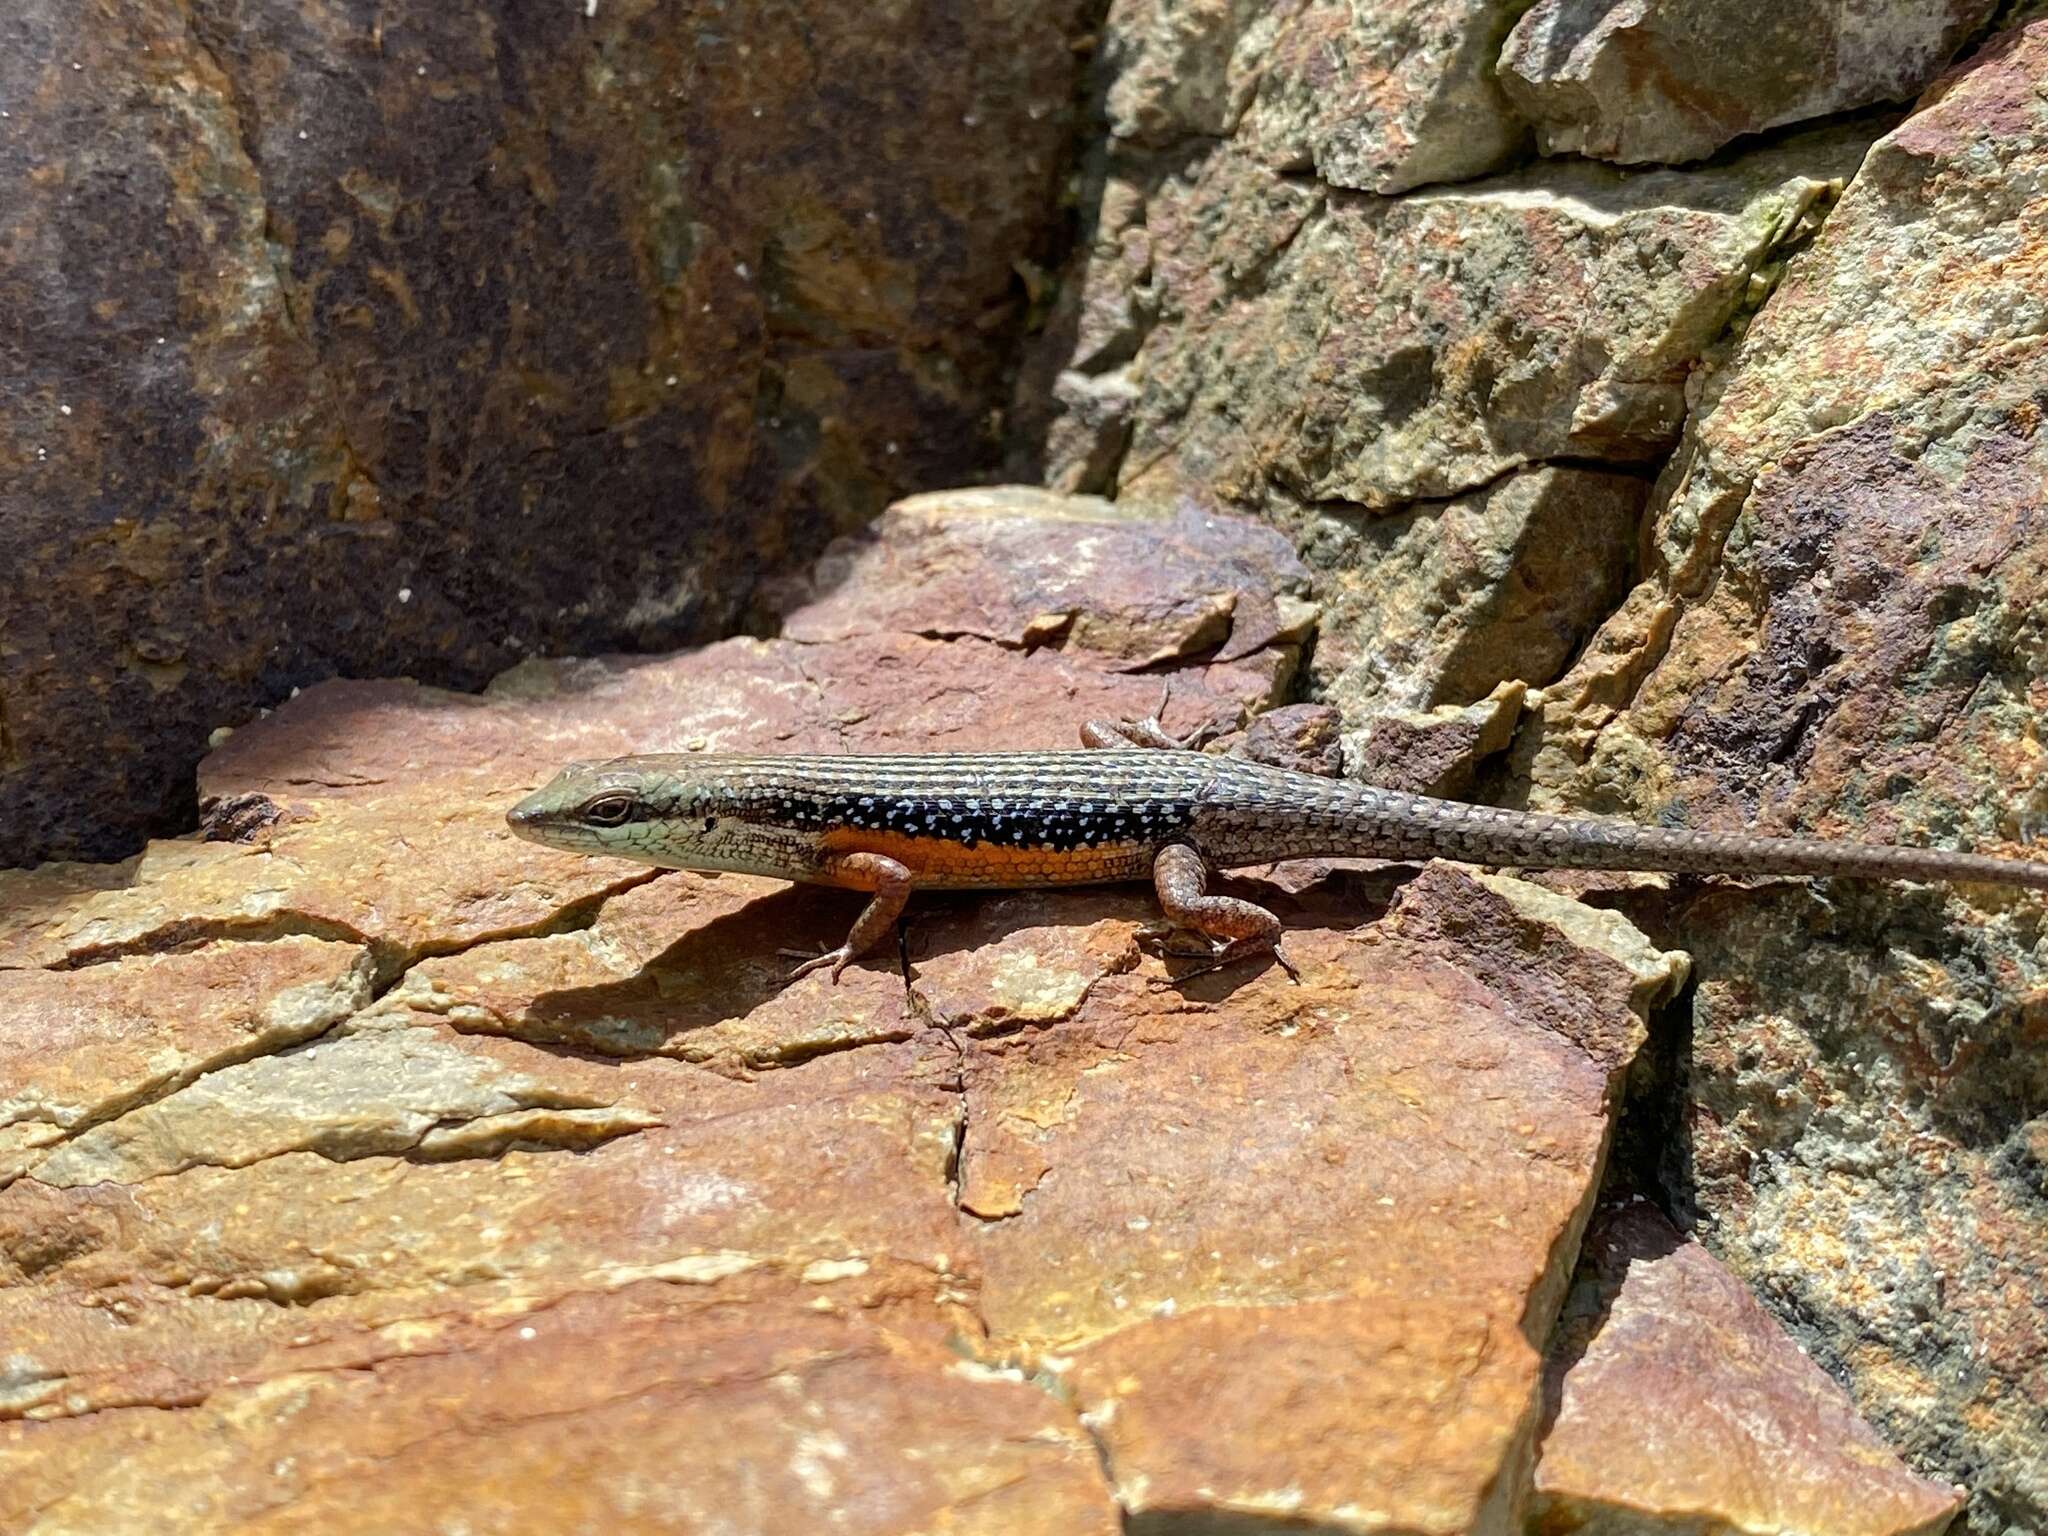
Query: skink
{"type": "Point", "coordinates": [1137, 806]}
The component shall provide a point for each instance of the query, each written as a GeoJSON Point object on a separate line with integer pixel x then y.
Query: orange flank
{"type": "Point", "coordinates": [940, 863]}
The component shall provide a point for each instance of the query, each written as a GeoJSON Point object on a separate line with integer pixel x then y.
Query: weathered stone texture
{"type": "Point", "coordinates": [1840, 630]}
{"type": "Point", "coordinates": [1674, 80]}
{"type": "Point", "coordinates": [361, 1164]}
{"type": "Point", "coordinates": [1679, 1405]}
{"type": "Point", "coordinates": [343, 341]}
{"type": "Point", "coordinates": [1855, 1141]}
{"type": "Point", "coordinates": [1811, 366]}
{"type": "Point", "coordinates": [529, 1191]}
{"type": "Point", "coordinates": [1377, 351]}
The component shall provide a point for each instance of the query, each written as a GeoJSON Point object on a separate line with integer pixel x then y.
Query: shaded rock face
{"type": "Point", "coordinates": [342, 342]}
{"type": "Point", "coordinates": [1671, 449]}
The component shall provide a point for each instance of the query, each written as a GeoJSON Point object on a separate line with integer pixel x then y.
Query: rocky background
{"type": "Point", "coordinates": [1623, 407]}
{"type": "Point", "coordinates": [360, 339]}
{"type": "Point", "coordinates": [1656, 392]}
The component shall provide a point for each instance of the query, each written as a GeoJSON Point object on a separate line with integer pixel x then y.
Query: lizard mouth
{"type": "Point", "coordinates": [529, 819]}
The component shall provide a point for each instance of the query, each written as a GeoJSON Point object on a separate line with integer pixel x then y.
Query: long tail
{"type": "Point", "coordinates": [1360, 819]}
{"type": "Point", "coordinates": [1488, 835]}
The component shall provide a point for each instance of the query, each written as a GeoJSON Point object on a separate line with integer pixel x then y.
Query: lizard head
{"type": "Point", "coordinates": [679, 812]}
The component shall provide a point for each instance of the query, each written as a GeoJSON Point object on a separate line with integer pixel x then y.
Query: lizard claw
{"type": "Point", "coordinates": [839, 959]}
{"type": "Point", "coordinates": [1216, 957]}
{"type": "Point", "coordinates": [1174, 942]}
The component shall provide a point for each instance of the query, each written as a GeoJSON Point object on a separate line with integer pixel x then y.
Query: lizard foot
{"type": "Point", "coordinates": [1171, 941]}
{"type": "Point", "coordinates": [839, 959]}
{"type": "Point", "coordinates": [1150, 731]}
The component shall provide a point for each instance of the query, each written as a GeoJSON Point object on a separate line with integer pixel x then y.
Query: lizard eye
{"type": "Point", "coordinates": [710, 822]}
{"type": "Point", "coordinates": [611, 811]}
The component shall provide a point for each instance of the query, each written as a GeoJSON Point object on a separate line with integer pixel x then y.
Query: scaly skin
{"type": "Point", "coordinates": [893, 824]}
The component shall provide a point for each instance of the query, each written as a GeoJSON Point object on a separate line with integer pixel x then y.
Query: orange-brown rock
{"type": "Point", "coordinates": [81, 1049]}
{"type": "Point", "coordinates": [380, 1170]}
{"type": "Point", "coordinates": [636, 1410]}
{"type": "Point", "coordinates": [1678, 1405]}
{"type": "Point", "coordinates": [1025, 568]}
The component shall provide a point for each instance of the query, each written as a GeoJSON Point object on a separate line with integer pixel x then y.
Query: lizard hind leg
{"type": "Point", "coordinates": [1234, 929]}
{"type": "Point", "coordinates": [890, 881]}
{"type": "Point", "coordinates": [1148, 732]}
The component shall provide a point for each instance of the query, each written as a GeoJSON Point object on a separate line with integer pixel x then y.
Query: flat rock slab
{"type": "Point", "coordinates": [1681, 1406]}
{"type": "Point", "coordinates": [378, 1169]}
{"type": "Point", "coordinates": [633, 1411]}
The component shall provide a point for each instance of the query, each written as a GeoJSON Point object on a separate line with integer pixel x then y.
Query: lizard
{"type": "Point", "coordinates": [1136, 803]}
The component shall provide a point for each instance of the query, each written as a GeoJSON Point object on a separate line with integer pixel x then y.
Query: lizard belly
{"type": "Point", "coordinates": [942, 863]}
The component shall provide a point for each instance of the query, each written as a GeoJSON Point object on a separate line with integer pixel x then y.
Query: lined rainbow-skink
{"type": "Point", "coordinates": [1137, 806]}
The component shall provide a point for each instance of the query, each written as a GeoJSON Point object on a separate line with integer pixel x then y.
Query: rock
{"type": "Point", "coordinates": [395, 837]}
{"type": "Point", "coordinates": [602, 1409]}
{"type": "Point", "coordinates": [1303, 737]}
{"type": "Point", "coordinates": [1922, 373]}
{"type": "Point", "coordinates": [406, 1092]}
{"type": "Point", "coordinates": [1241, 1293]}
{"type": "Point", "coordinates": [1647, 80]}
{"type": "Point", "coordinates": [1444, 603]}
{"type": "Point", "coordinates": [1090, 427]}
{"type": "Point", "coordinates": [1680, 1406]}
{"type": "Point", "coordinates": [496, 332]}
{"type": "Point", "coordinates": [1024, 568]}
{"type": "Point", "coordinates": [1438, 751]}
{"type": "Point", "coordinates": [81, 1050]}
{"type": "Point", "coordinates": [1838, 632]}
{"type": "Point", "coordinates": [395, 1174]}
{"type": "Point", "coordinates": [1379, 351]}
{"type": "Point", "coordinates": [1377, 100]}
{"type": "Point", "coordinates": [1382, 99]}
{"type": "Point", "coordinates": [1847, 1146]}
{"type": "Point", "coordinates": [1181, 67]}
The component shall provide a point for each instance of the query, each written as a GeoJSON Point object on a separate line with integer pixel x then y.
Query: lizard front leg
{"type": "Point", "coordinates": [890, 882]}
{"type": "Point", "coordinates": [1240, 928]}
